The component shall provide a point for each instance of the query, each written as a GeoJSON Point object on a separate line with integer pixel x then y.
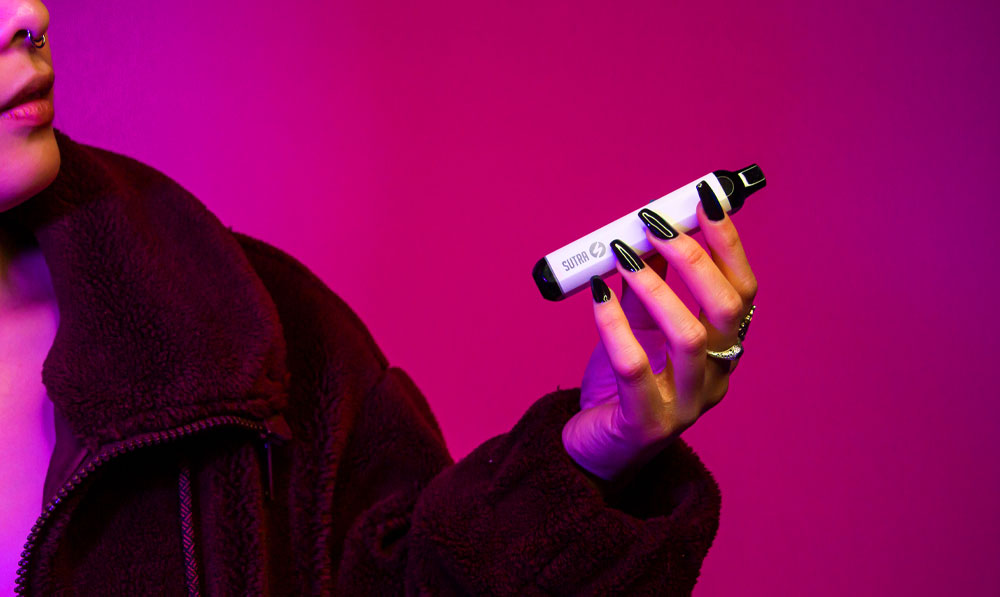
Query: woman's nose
{"type": "Point", "coordinates": [18, 16]}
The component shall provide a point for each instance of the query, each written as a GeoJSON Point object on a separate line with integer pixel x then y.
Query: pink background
{"type": "Point", "coordinates": [420, 159]}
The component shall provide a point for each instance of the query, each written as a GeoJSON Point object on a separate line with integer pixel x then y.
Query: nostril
{"type": "Point", "coordinates": [21, 36]}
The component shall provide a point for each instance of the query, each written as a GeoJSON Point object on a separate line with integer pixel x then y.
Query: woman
{"type": "Point", "coordinates": [217, 420]}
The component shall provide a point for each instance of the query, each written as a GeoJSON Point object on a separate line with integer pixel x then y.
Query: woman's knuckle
{"type": "Point", "coordinates": [748, 288]}
{"type": "Point", "coordinates": [730, 308]}
{"type": "Point", "coordinates": [660, 292]}
{"type": "Point", "coordinates": [693, 337]}
{"type": "Point", "coordinates": [633, 368]}
{"type": "Point", "coordinates": [608, 318]}
{"type": "Point", "coordinates": [691, 253]}
{"type": "Point", "coordinates": [731, 240]}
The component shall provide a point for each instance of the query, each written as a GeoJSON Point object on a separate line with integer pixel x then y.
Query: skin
{"type": "Point", "coordinates": [29, 162]}
{"type": "Point", "coordinates": [649, 377]}
{"type": "Point", "coordinates": [29, 156]}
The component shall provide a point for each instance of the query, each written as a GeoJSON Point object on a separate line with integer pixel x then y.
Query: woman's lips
{"type": "Point", "coordinates": [35, 112]}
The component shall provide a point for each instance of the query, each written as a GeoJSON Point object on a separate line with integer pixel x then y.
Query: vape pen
{"type": "Point", "coordinates": [566, 271]}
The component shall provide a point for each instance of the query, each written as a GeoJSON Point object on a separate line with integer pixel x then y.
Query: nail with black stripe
{"type": "Point", "coordinates": [713, 209]}
{"type": "Point", "coordinates": [656, 224]}
{"type": "Point", "coordinates": [627, 256]}
{"type": "Point", "coordinates": [602, 293]}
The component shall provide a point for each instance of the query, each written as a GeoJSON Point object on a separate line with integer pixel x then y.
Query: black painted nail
{"type": "Point", "coordinates": [657, 225]}
{"type": "Point", "coordinates": [710, 202]}
{"type": "Point", "coordinates": [602, 293]}
{"type": "Point", "coordinates": [627, 256]}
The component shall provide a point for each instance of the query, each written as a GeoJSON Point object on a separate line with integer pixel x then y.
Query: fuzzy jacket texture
{"type": "Point", "coordinates": [228, 426]}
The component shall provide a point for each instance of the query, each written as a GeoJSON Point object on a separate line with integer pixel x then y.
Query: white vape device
{"type": "Point", "coordinates": [568, 270]}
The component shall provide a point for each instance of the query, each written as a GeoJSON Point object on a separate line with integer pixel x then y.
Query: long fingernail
{"type": "Point", "coordinates": [657, 225]}
{"type": "Point", "coordinates": [713, 209]}
{"type": "Point", "coordinates": [627, 256]}
{"type": "Point", "coordinates": [602, 293]}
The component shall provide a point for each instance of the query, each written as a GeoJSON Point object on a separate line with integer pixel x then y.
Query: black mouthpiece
{"type": "Point", "coordinates": [741, 184]}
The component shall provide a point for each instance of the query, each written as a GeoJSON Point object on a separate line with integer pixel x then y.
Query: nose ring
{"type": "Point", "coordinates": [37, 43]}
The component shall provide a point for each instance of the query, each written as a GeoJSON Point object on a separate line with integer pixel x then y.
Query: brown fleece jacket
{"type": "Point", "coordinates": [228, 426]}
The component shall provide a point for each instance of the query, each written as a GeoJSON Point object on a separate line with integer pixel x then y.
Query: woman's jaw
{"type": "Point", "coordinates": [29, 162]}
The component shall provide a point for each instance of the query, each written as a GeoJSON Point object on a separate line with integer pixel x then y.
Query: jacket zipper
{"type": "Point", "coordinates": [277, 428]}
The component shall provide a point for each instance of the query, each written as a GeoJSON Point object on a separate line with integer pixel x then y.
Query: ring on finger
{"type": "Point", "coordinates": [736, 350]}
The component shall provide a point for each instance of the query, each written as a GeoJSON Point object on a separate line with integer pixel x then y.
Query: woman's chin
{"type": "Point", "coordinates": [28, 165]}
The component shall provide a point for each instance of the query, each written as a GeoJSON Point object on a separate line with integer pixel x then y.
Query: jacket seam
{"type": "Point", "coordinates": [365, 399]}
{"type": "Point", "coordinates": [304, 275]}
{"type": "Point", "coordinates": [138, 417]}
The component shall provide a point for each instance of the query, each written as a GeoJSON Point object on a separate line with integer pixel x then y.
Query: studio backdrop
{"type": "Point", "coordinates": [420, 158]}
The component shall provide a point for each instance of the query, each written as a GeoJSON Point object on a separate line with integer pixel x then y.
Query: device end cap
{"type": "Point", "coordinates": [741, 184]}
{"type": "Point", "coordinates": [546, 281]}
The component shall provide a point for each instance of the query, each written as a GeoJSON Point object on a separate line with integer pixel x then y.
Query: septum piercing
{"type": "Point", "coordinates": [36, 43]}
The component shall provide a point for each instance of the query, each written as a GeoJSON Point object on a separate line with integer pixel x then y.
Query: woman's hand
{"type": "Point", "coordinates": [649, 378]}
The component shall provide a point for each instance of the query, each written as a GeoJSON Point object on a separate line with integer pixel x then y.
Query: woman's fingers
{"type": "Point", "coordinates": [685, 335]}
{"type": "Point", "coordinates": [728, 255]}
{"type": "Point", "coordinates": [638, 391]}
{"type": "Point", "coordinates": [634, 310]}
{"type": "Point", "coordinates": [722, 306]}
{"type": "Point", "coordinates": [722, 284]}
{"type": "Point", "coordinates": [730, 258]}
{"type": "Point", "coordinates": [645, 328]}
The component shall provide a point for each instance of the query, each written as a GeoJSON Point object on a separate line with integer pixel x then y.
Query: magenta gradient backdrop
{"type": "Point", "coordinates": [420, 157]}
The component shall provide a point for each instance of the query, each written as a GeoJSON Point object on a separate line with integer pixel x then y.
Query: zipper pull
{"type": "Point", "coordinates": [277, 427]}
{"type": "Point", "coordinates": [277, 430]}
{"type": "Point", "coordinates": [270, 475]}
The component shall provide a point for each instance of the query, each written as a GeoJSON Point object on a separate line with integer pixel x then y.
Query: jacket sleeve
{"type": "Point", "coordinates": [516, 516]}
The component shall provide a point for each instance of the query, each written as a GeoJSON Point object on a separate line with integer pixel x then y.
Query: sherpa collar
{"type": "Point", "coordinates": [162, 319]}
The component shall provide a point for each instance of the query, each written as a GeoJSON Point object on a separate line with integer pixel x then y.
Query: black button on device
{"type": "Point", "coordinates": [752, 175]}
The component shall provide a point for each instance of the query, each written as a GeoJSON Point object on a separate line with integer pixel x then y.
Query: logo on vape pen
{"type": "Point", "coordinates": [596, 250]}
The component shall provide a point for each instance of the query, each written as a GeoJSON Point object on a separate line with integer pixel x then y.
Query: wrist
{"type": "Point", "coordinates": [610, 489]}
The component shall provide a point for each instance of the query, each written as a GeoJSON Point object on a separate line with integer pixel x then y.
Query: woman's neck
{"type": "Point", "coordinates": [24, 275]}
